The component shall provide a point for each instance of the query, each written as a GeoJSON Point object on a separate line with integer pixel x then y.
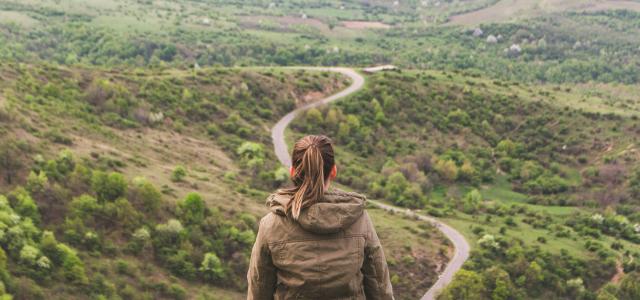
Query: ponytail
{"type": "Point", "coordinates": [312, 160]}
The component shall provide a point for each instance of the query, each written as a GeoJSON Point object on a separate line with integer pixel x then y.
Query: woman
{"type": "Point", "coordinates": [317, 243]}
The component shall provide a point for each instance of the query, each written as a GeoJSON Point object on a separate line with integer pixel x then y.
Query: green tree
{"type": "Point", "coordinates": [446, 168]}
{"type": "Point", "coordinates": [192, 209]}
{"type": "Point", "coordinates": [108, 187]}
{"type": "Point", "coordinates": [23, 204]}
{"type": "Point", "coordinates": [252, 154]}
{"type": "Point", "coordinates": [395, 187]}
{"type": "Point", "coordinates": [534, 274]}
{"type": "Point", "coordinates": [466, 285]}
{"type": "Point", "coordinates": [83, 207]}
{"type": "Point", "coordinates": [458, 117]}
{"type": "Point", "coordinates": [313, 117]}
{"type": "Point", "coordinates": [144, 195]}
{"type": "Point", "coordinates": [212, 268]}
{"type": "Point", "coordinates": [72, 266]}
{"type": "Point", "coordinates": [471, 201]}
{"type": "Point", "coordinates": [37, 182]}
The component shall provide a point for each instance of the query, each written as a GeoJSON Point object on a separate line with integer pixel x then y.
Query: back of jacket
{"type": "Point", "coordinates": [331, 252]}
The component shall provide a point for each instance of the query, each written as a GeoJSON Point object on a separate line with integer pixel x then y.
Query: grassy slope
{"type": "Point", "coordinates": [512, 10]}
{"type": "Point", "coordinates": [154, 151]}
{"type": "Point", "coordinates": [554, 99]}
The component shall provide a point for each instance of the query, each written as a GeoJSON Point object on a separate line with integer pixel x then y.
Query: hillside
{"type": "Point", "coordinates": [135, 147]}
{"type": "Point", "coordinates": [167, 192]}
{"type": "Point", "coordinates": [534, 184]}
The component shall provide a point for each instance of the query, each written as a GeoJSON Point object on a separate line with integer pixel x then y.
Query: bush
{"type": "Point", "coordinates": [192, 209]}
{"type": "Point", "coordinates": [72, 266]}
{"type": "Point", "coordinates": [178, 174]}
{"type": "Point", "coordinates": [144, 196]}
{"type": "Point", "coordinates": [211, 267]}
{"type": "Point", "coordinates": [177, 292]}
{"type": "Point", "coordinates": [24, 205]}
{"type": "Point", "coordinates": [180, 264]}
{"type": "Point", "coordinates": [108, 187]}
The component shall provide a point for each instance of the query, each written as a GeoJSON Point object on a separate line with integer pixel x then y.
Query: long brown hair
{"type": "Point", "coordinates": [312, 160]}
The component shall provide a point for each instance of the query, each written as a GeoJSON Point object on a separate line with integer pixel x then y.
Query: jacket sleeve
{"type": "Point", "coordinates": [377, 284]}
{"type": "Point", "coordinates": [262, 273]}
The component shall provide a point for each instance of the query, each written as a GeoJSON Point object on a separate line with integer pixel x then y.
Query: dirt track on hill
{"type": "Point", "coordinates": [462, 248]}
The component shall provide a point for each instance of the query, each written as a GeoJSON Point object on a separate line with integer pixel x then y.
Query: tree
{"type": "Point", "coordinates": [108, 187]}
{"type": "Point", "coordinates": [252, 154]}
{"type": "Point", "coordinates": [192, 209]}
{"type": "Point", "coordinates": [395, 187]}
{"type": "Point", "coordinates": [467, 171]}
{"type": "Point", "coordinates": [458, 117]}
{"type": "Point", "coordinates": [313, 118]}
{"type": "Point", "coordinates": [169, 234]}
{"type": "Point", "coordinates": [83, 207]}
{"type": "Point", "coordinates": [471, 201]}
{"type": "Point", "coordinates": [37, 182]}
{"type": "Point", "coordinates": [180, 264]}
{"type": "Point", "coordinates": [466, 285]}
{"type": "Point", "coordinates": [24, 205]}
{"type": "Point", "coordinates": [212, 268]}
{"type": "Point", "coordinates": [447, 169]}
{"type": "Point", "coordinates": [533, 274]}
{"type": "Point", "coordinates": [140, 240]}
{"type": "Point", "coordinates": [507, 148]}
{"type": "Point", "coordinates": [144, 195]}
{"type": "Point", "coordinates": [72, 266]}
{"type": "Point", "coordinates": [498, 282]}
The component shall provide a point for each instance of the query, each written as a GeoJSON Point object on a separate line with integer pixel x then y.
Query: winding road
{"type": "Point", "coordinates": [280, 146]}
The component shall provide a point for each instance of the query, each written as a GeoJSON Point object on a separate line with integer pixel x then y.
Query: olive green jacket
{"type": "Point", "coordinates": [331, 252]}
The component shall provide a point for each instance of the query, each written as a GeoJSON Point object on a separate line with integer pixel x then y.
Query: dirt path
{"type": "Point", "coordinates": [280, 147]}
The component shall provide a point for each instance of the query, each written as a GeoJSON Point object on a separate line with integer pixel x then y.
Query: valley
{"type": "Point", "coordinates": [139, 140]}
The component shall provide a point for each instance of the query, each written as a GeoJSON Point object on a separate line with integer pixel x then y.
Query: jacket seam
{"type": "Point", "coordinates": [323, 239]}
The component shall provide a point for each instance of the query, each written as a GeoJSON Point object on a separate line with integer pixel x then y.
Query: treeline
{"type": "Point", "coordinates": [557, 48]}
{"type": "Point", "coordinates": [81, 43]}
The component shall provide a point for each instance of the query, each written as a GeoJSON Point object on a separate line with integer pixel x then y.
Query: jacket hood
{"type": "Point", "coordinates": [336, 211]}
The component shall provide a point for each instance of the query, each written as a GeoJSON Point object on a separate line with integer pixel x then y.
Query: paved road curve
{"type": "Point", "coordinates": [280, 146]}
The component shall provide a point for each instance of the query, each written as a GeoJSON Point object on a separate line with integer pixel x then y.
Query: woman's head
{"type": "Point", "coordinates": [313, 166]}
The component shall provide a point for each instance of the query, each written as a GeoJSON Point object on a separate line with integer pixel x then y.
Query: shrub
{"type": "Point", "coordinates": [144, 196]}
{"type": "Point", "coordinates": [180, 264]}
{"type": "Point", "coordinates": [178, 174]}
{"type": "Point", "coordinates": [72, 266]}
{"type": "Point", "coordinates": [447, 169]}
{"type": "Point", "coordinates": [23, 204]}
{"type": "Point", "coordinates": [192, 209]}
{"type": "Point", "coordinates": [211, 267]}
{"type": "Point", "coordinates": [141, 239]}
{"type": "Point", "coordinates": [108, 187]}
{"type": "Point", "coordinates": [83, 207]}
{"type": "Point", "coordinates": [177, 292]}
